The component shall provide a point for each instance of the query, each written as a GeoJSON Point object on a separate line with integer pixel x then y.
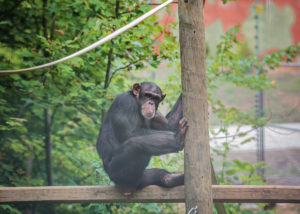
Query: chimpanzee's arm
{"type": "Point", "coordinates": [124, 117]}
{"type": "Point", "coordinates": [170, 122]}
{"type": "Point", "coordinates": [126, 120]}
{"type": "Point", "coordinates": [175, 115]}
{"type": "Point", "coordinates": [159, 122]}
{"type": "Point", "coordinates": [127, 124]}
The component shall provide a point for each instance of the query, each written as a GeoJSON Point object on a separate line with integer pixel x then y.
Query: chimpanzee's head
{"type": "Point", "coordinates": [148, 95]}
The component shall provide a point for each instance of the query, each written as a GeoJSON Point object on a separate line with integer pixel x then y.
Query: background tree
{"type": "Point", "coordinates": [50, 117]}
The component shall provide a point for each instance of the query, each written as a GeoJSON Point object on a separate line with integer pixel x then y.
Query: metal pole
{"type": "Point", "coordinates": [259, 104]}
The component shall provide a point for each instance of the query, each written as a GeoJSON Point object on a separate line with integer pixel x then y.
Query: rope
{"type": "Point", "coordinates": [94, 45]}
{"type": "Point", "coordinates": [193, 210]}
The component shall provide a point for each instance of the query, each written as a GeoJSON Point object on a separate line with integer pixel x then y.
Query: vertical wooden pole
{"type": "Point", "coordinates": [219, 206]}
{"type": "Point", "coordinates": [197, 168]}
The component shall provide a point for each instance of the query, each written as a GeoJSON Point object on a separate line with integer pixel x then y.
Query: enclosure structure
{"type": "Point", "coordinates": [198, 192]}
{"type": "Point", "coordinates": [105, 194]}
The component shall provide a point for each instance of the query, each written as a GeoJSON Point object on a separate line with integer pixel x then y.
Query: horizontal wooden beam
{"type": "Point", "coordinates": [259, 194]}
{"type": "Point", "coordinates": [76, 194]}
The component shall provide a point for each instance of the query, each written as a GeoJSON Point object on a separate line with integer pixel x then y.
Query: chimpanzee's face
{"type": "Point", "coordinates": [149, 96]}
{"type": "Point", "coordinates": [149, 102]}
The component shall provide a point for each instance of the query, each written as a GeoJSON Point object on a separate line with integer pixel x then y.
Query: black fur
{"type": "Point", "coordinates": [127, 141]}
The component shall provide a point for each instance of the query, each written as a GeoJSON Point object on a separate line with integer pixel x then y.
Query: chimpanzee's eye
{"type": "Point", "coordinates": [156, 99]}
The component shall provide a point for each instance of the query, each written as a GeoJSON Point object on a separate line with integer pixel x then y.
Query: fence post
{"type": "Point", "coordinates": [197, 168]}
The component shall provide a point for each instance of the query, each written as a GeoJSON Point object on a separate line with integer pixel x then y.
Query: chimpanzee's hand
{"type": "Point", "coordinates": [180, 135]}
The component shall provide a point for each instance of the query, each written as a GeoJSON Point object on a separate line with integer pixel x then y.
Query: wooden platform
{"type": "Point", "coordinates": [88, 194]}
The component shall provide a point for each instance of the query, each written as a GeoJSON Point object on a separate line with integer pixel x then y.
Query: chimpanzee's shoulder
{"type": "Point", "coordinates": [125, 97]}
{"type": "Point", "coordinates": [124, 102]}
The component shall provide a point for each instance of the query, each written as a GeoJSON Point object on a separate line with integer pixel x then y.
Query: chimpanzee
{"type": "Point", "coordinates": [133, 131]}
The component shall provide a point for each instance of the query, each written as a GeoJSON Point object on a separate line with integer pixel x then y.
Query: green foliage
{"type": "Point", "coordinates": [232, 67]}
{"type": "Point", "coordinates": [288, 54]}
{"type": "Point", "coordinates": [75, 93]}
{"type": "Point", "coordinates": [225, 1]}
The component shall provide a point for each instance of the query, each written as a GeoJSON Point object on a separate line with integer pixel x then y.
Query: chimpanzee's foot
{"type": "Point", "coordinates": [126, 191]}
{"type": "Point", "coordinates": [183, 124]}
{"type": "Point", "coordinates": [173, 179]}
{"type": "Point", "coordinates": [180, 135]}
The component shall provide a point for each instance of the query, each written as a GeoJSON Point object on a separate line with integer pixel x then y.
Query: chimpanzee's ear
{"type": "Point", "coordinates": [136, 89]}
{"type": "Point", "coordinates": [163, 97]}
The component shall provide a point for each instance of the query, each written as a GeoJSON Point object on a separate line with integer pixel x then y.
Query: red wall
{"type": "Point", "coordinates": [234, 13]}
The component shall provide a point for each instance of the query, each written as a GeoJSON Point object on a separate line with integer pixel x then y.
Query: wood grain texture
{"type": "Point", "coordinates": [197, 167]}
{"type": "Point", "coordinates": [88, 194]}
{"type": "Point", "coordinates": [245, 193]}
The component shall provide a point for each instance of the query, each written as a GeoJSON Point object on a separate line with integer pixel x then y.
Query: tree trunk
{"type": "Point", "coordinates": [48, 145]}
{"type": "Point", "coordinates": [197, 168]}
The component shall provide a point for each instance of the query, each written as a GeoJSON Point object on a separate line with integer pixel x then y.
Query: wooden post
{"type": "Point", "coordinates": [219, 206]}
{"type": "Point", "coordinates": [197, 168]}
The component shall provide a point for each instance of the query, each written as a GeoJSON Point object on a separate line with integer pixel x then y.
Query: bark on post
{"type": "Point", "coordinates": [197, 168]}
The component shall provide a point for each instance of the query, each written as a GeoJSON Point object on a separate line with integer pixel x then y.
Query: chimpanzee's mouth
{"type": "Point", "coordinates": [148, 116]}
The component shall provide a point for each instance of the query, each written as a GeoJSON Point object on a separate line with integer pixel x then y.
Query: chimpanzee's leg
{"type": "Point", "coordinates": [126, 168]}
{"type": "Point", "coordinates": [156, 142]}
{"type": "Point", "coordinates": [161, 177]}
{"type": "Point", "coordinates": [129, 161]}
